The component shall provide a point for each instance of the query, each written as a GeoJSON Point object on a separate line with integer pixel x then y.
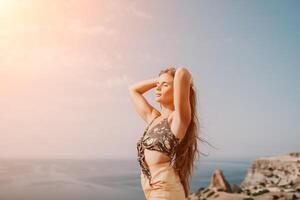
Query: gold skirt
{"type": "Point", "coordinates": [165, 183]}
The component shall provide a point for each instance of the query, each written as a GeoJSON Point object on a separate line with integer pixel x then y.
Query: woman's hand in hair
{"type": "Point", "coordinates": [144, 85]}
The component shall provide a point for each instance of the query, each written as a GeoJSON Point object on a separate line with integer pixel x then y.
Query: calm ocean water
{"type": "Point", "coordinates": [94, 179]}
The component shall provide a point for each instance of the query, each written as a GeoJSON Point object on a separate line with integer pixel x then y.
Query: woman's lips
{"type": "Point", "coordinates": [157, 95]}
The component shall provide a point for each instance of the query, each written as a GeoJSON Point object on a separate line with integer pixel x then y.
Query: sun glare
{"type": "Point", "coordinates": [6, 6]}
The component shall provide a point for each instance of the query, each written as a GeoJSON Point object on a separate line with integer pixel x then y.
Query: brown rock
{"type": "Point", "coordinates": [219, 182]}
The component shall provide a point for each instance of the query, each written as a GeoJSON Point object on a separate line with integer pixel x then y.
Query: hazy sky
{"type": "Point", "coordinates": [65, 67]}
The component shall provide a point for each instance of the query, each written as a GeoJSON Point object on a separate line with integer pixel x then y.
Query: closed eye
{"type": "Point", "coordinates": [164, 84]}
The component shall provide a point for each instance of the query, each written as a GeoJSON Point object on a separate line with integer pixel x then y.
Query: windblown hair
{"type": "Point", "coordinates": [187, 152]}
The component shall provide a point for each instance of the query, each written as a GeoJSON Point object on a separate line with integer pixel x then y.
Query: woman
{"type": "Point", "coordinates": [166, 153]}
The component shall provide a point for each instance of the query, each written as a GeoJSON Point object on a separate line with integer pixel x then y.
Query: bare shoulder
{"type": "Point", "coordinates": [154, 114]}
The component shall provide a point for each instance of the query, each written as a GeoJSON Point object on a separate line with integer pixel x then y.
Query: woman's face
{"type": "Point", "coordinates": [164, 89]}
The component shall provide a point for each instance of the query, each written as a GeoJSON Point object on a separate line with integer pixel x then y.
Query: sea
{"type": "Point", "coordinates": [96, 179]}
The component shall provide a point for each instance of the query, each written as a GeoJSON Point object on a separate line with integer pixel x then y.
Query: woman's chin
{"type": "Point", "coordinates": [157, 99]}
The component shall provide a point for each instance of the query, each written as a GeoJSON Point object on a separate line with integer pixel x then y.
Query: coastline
{"type": "Point", "coordinates": [275, 177]}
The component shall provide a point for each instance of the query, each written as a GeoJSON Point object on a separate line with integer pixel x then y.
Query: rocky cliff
{"type": "Point", "coordinates": [275, 177]}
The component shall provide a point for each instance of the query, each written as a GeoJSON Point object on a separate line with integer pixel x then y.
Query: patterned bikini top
{"type": "Point", "coordinates": [159, 138]}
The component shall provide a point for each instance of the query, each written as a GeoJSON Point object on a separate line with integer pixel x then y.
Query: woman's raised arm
{"type": "Point", "coordinates": [182, 84]}
{"type": "Point", "coordinates": [141, 105]}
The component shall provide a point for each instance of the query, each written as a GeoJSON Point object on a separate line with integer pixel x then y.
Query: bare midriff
{"type": "Point", "coordinates": [154, 157]}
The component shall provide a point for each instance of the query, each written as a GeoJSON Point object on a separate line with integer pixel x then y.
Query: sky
{"type": "Point", "coordinates": [65, 66]}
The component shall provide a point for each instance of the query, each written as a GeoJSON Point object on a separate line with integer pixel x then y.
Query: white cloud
{"type": "Point", "coordinates": [76, 26]}
{"type": "Point", "coordinates": [110, 82]}
{"type": "Point", "coordinates": [132, 8]}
